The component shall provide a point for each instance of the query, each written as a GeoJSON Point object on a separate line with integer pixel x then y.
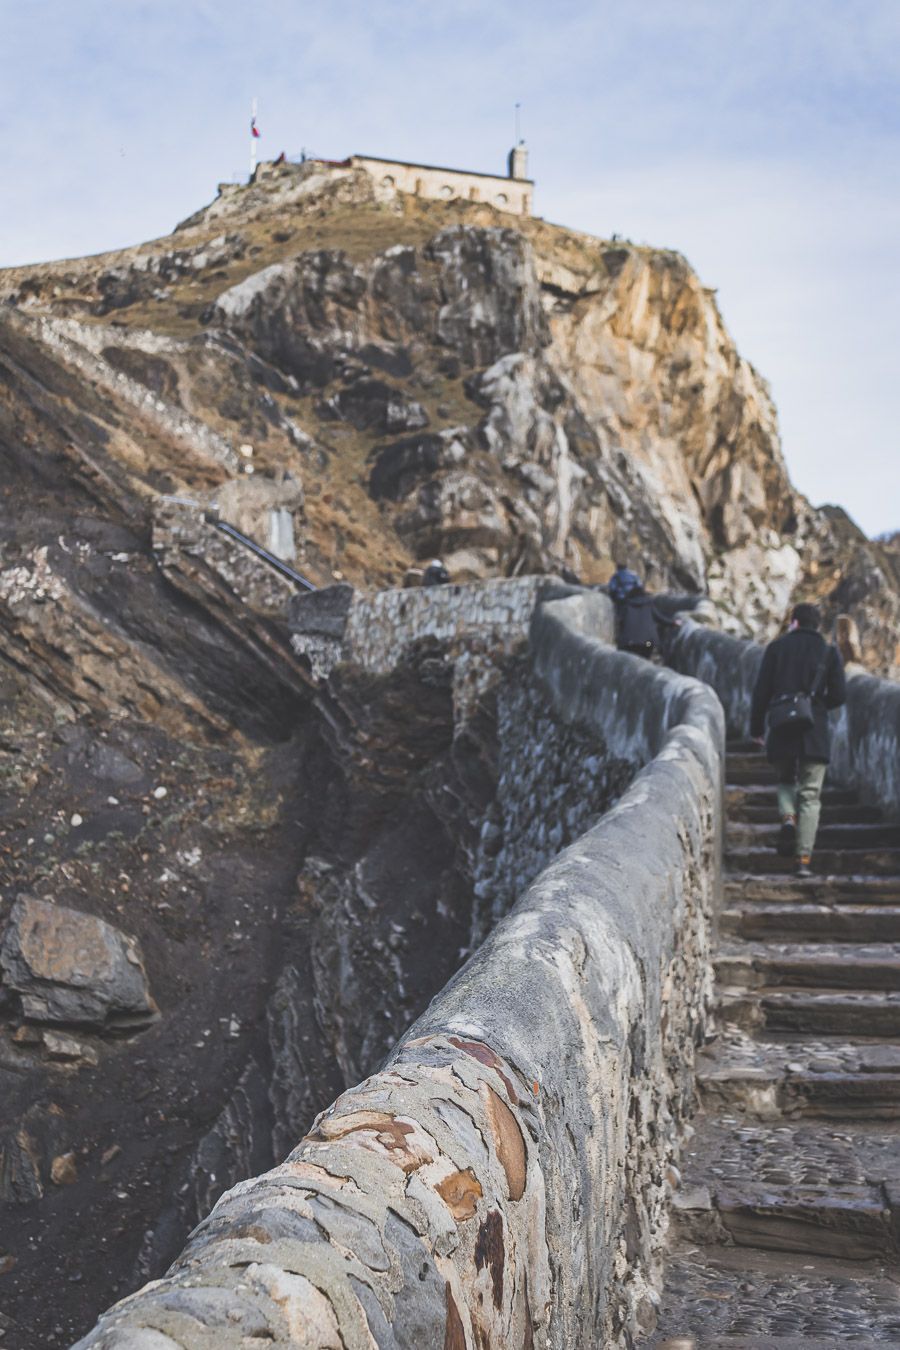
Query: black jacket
{"type": "Point", "coordinates": [789, 666]}
{"type": "Point", "coordinates": [639, 621]}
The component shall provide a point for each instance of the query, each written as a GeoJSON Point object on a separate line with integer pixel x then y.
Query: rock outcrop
{"type": "Point", "coordinates": [434, 379]}
{"type": "Point", "coordinates": [70, 967]}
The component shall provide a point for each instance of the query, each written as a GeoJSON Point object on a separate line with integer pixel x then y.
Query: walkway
{"type": "Point", "coordinates": [787, 1221]}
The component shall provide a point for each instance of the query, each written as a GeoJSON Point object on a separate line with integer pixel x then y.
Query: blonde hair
{"type": "Point", "coordinates": [846, 636]}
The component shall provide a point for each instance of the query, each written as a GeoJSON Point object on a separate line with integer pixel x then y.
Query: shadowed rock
{"type": "Point", "coordinates": [70, 967]}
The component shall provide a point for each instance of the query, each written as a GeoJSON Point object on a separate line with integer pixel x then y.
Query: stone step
{"type": "Point", "coordinates": [752, 773]}
{"type": "Point", "coordinates": [831, 835]}
{"type": "Point", "coordinates": [746, 889]}
{"type": "Point", "coordinates": [814, 923]}
{"type": "Point", "coordinates": [832, 1190]}
{"type": "Point", "coordinates": [827, 862]}
{"type": "Point", "coordinates": [809, 966]}
{"type": "Point", "coordinates": [763, 794]}
{"type": "Point", "coordinates": [760, 776]}
{"type": "Point", "coordinates": [816, 1012]}
{"type": "Point", "coordinates": [752, 758]}
{"type": "Point", "coordinates": [736, 1298]}
{"type": "Point", "coordinates": [852, 1223]}
{"type": "Point", "coordinates": [787, 1342]}
{"type": "Point", "coordinates": [838, 1080]}
{"type": "Point", "coordinates": [848, 814]}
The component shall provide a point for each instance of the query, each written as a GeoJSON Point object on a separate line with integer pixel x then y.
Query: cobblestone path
{"type": "Point", "coordinates": [786, 1230]}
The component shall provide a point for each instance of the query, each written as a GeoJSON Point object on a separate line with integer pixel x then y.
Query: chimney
{"type": "Point", "coordinates": [517, 163]}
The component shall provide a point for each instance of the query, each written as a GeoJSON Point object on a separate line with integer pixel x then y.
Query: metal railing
{"type": "Point", "coordinates": [280, 566]}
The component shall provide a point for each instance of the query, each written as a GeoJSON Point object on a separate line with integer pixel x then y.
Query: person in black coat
{"type": "Point", "coordinates": [799, 662]}
{"type": "Point", "coordinates": [639, 622]}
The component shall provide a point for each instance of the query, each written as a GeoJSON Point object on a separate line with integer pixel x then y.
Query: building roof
{"type": "Point", "coordinates": [442, 168]}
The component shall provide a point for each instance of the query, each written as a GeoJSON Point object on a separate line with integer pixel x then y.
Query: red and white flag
{"type": "Point", "coordinates": [254, 130]}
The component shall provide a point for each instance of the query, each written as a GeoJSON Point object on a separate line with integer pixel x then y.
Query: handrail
{"type": "Point", "coordinates": [263, 553]}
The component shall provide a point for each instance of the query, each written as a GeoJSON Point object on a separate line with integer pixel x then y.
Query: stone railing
{"type": "Point", "coordinates": [372, 628]}
{"type": "Point", "coordinates": [866, 747]}
{"type": "Point", "coordinates": [502, 1179]}
{"type": "Point", "coordinates": [865, 732]}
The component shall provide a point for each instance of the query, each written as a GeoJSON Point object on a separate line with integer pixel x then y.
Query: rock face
{"type": "Point", "coordinates": [430, 379]}
{"type": "Point", "coordinates": [358, 385]}
{"type": "Point", "coordinates": [501, 1180]}
{"type": "Point", "coordinates": [72, 968]}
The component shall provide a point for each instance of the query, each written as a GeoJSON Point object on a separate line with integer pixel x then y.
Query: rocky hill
{"type": "Point", "coordinates": [409, 378]}
{"type": "Point", "coordinates": [360, 384]}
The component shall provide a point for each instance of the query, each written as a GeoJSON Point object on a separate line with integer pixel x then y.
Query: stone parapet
{"type": "Point", "coordinates": [374, 628]}
{"type": "Point", "coordinates": [866, 744]}
{"type": "Point", "coordinates": [502, 1179]}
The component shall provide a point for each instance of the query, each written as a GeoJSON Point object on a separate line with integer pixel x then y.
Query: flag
{"type": "Point", "coordinates": [254, 131]}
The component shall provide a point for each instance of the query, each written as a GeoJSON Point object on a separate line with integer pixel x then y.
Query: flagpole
{"type": "Point", "coordinates": [252, 138]}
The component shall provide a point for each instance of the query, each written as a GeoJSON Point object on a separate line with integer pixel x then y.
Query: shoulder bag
{"type": "Point", "coordinates": [796, 710]}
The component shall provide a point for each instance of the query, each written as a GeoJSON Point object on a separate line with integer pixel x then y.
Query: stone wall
{"type": "Point", "coordinates": [501, 1180]}
{"type": "Point", "coordinates": [727, 664]}
{"type": "Point", "coordinates": [183, 539]}
{"type": "Point", "coordinates": [866, 747]}
{"type": "Point", "coordinates": [374, 629]}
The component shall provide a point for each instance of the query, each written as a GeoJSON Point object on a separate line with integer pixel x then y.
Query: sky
{"type": "Point", "coordinates": [761, 140]}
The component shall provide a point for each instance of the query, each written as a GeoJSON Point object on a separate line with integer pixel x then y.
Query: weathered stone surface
{"type": "Point", "coordinates": [63, 1171]}
{"type": "Point", "coordinates": [71, 967]}
{"type": "Point", "coordinates": [449, 1177]}
{"type": "Point", "coordinates": [796, 1151]}
{"type": "Point", "coordinates": [866, 751]}
{"type": "Point", "coordinates": [373, 629]}
{"type": "Point", "coordinates": [20, 1168]}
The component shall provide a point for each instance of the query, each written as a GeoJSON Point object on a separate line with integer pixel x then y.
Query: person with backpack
{"type": "Point", "coordinates": [621, 583]}
{"type": "Point", "coordinates": [639, 623]}
{"type": "Point", "coordinates": [618, 588]}
{"type": "Point", "coordinates": [800, 680]}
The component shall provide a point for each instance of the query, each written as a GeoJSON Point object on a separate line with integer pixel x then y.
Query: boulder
{"type": "Point", "coordinates": [69, 967]}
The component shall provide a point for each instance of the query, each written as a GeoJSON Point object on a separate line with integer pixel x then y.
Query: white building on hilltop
{"type": "Point", "coordinates": [513, 192]}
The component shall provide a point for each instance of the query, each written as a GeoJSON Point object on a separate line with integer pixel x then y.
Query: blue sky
{"type": "Point", "coordinates": [761, 140]}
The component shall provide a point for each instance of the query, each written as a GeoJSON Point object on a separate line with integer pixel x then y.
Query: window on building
{"type": "Point", "coordinates": [501, 199]}
{"type": "Point", "coordinates": [387, 181]}
{"type": "Point", "coordinates": [446, 190]}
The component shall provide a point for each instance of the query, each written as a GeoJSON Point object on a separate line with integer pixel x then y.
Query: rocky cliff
{"type": "Point", "coordinates": [358, 385]}
{"type": "Point", "coordinates": [407, 378]}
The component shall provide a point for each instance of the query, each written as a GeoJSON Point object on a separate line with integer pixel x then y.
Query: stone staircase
{"type": "Point", "coordinates": [786, 1231]}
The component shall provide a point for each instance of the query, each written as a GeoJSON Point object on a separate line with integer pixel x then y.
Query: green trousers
{"type": "Point", "coordinates": [799, 795]}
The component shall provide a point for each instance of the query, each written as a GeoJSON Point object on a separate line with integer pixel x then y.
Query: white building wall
{"type": "Point", "coordinates": [507, 194]}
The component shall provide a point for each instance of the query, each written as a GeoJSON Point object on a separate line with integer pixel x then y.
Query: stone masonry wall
{"type": "Point", "coordinates": [373, 629]}
{"type": "Point", "coordinates": [501, 1180]}
{"type": "Point", "coordinates": [555, 778]}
